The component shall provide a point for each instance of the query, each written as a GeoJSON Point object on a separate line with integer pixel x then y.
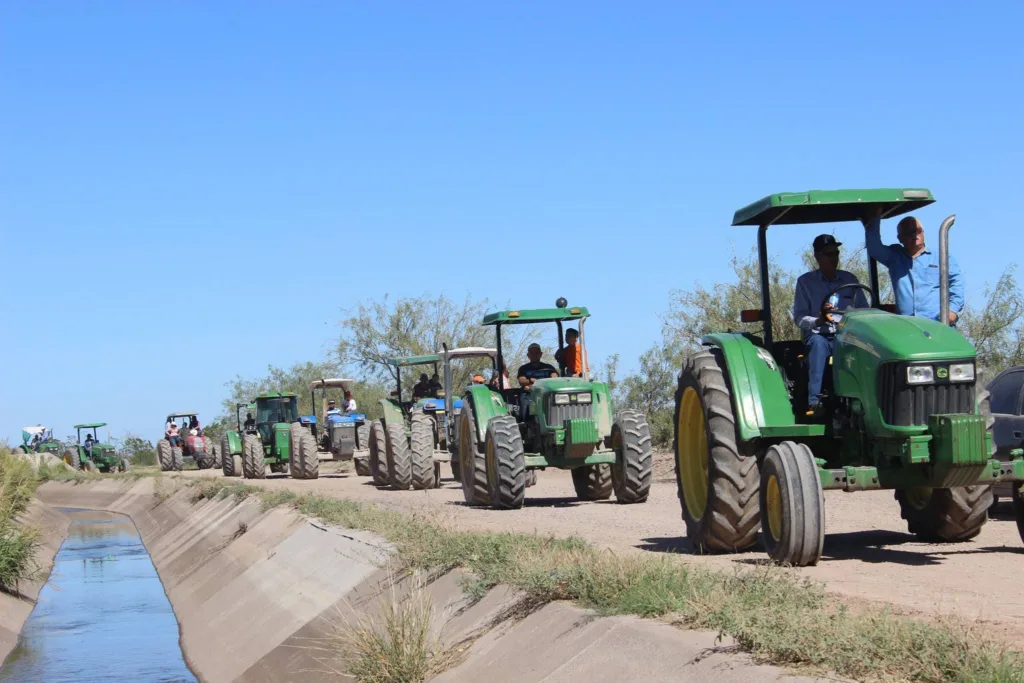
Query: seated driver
{"type": "Point", "coordinates": [530, 373]}
{"type": "Point", "coordinates": [818, 326]}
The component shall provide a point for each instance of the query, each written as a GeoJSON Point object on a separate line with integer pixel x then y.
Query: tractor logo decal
{"type": "Point", "coordinates": [942, 373]}
{"type": "Point", "coordinates": [766, 357]}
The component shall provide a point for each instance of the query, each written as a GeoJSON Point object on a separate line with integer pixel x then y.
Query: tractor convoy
{"type": "Point", "coordinates": [902, 407]}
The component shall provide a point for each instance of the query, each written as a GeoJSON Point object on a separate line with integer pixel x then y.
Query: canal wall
{"type": "Point", "coordinates": [52, 526]}
{"type": "Point", "coordinates": [261, 595]}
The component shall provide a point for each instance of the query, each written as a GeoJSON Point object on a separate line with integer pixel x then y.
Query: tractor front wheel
{"type": "Point", "coordinates": [163, 455]}
{"type": "Point", "coordinates": [362, 436]}
{"type": "Point", "coordinates": [422, 452]}
{"type": "Point", "coordinates": [592, 482]}
{"type": "Point", "coordinates": [945, 515]}
{"type": "Point", "coordinates": [717, 477]}
{"type": "Point", "coordinates": [227, 459]}
{"type": "Point", "coordinates": [792, 505]}
{"type": "Point", "coordinates": [72, 458]}
{"type": "Point", "coordinates": [252, 458]}
{"type": "Point", "coordinates": [505, 464]}
{"type": "Point", "coordinates": [90, 466]}
{"type": "Point", "coordinates": [399, 457]}
{"type": "Point", "coordinates": [634, 457]}
{"type": "Point", "coordinates": [472, 463]}
{"type": "Point", "coordinates": [208, 458]}
{"type": "Point", "coordinates": [378, 454]}
{"type": "Point", "coordinates": [305, 464]}
{"type": "Point", "coordinates": [362, 466]}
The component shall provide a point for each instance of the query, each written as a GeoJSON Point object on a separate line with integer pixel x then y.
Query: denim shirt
{"type": "Point", "coordinates": [811, 290]}
{"type": "Point", "coordinates": [914, 280]}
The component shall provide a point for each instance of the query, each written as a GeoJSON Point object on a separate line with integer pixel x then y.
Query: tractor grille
{"type": "Point", "coordinates": [557, 415]}
{"type": "Point", "coordinates": [906, 405]}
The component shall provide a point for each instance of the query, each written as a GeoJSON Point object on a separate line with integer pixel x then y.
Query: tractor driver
{"type": "Point", "coordinates": [87, 446]}
{"type": "Point", "coordinates": [422, 388]}
{"type": "Point", "coordinates": [530, 373]}
{"type": "Point", "coordinates": [250, 423]}
{"type": "Point", "coordinates": [815, 319]}
{"type": "Point", "coordinates": [332, 408]}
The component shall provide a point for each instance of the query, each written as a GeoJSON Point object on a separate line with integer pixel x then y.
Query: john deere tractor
{"type": "Point", "coordinates": [338, 435]}
{"type": "Point", "coordinates": [903, 411]}
{"type": "Point", "coordinates": [231, 446]}
{"type": "Point", "coordinates": [39, 439]}
{"type": "Point", "coordinates": [91, 455]}
{"type": "Point", "coordinates": [567, 422]}
{"type": "Point", "coordinates": [408, 444]}
{"type": "Point", "coordinates": [279, 440]}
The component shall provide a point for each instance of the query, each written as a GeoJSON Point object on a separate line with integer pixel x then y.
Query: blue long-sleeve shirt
{"type": "Point", "coordinates": [914, 280]}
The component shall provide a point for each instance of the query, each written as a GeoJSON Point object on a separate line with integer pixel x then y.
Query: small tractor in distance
{"type": "Point", "coordinates": [91, 455]}
{"type": "Point", "coordinates": [408, 444]}
{"type": "Point", "coordinates": [567, 422]}
{"type": "Point", "coordinates": [39, 439]}
{"type": "Point", "coordinates": [902, 411]}
{"type": "Point", "coordinates": [200, 448]}
{"type": "Point", "coordinates": [338, 435]}
{"type": "Point", "coordinates": [279, 440]}
{"type": "Point", "coordinates": [231, 442]}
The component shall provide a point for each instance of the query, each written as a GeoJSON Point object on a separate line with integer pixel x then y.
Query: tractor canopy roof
{"type": "Point", "coordinates": [471, 352]}
{"type": "Point", "coordinates": [536, 315]}
{"type": "Point", "coordinates": [38, 429]}
{"type": "Point", "coordinates": [413, 360]}
{"type": "Point", "coordinates": [345, 384]}
{"type": "Point", "coordinates": [276, 394]}
{"type": "Point", "coordinates": [182, 414]}
{"type": "Point", "coordinates": [91, 425]}
{"type": "Point", "coordinates": [830, 206]}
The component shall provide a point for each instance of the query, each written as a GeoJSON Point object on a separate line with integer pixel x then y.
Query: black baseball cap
{"type": "Point", "coordinates": [822, 241]}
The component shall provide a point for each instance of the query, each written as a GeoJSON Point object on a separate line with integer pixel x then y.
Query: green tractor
{"type": "Point", "coordinates": [231, 442]}
{"type": "Point", "coordinates": [279, 439]}
{"type": "Point", "coordinates": [408, 444]}
{"type": "Point", "coordinates": [91, 455]}
{"type": "Point", "coordinates": [563, 422]}
{"type": "Point", "coordinates": [902, 411]}
{"type": "Point", "coordinates": [39, 439]}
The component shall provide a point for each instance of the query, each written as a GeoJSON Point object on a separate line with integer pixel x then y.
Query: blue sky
{"type": "Point", "coordinates": [190, 191]}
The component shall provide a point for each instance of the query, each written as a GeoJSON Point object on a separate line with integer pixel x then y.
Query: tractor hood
{"type": "Point", "coordinates": [888, 336]}
{"type": "Point", "coordinates": [562, 384]}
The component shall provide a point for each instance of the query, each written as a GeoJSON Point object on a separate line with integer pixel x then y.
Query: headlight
{"type": "Point", "coordinates": [561, 399]}
{"type": "Point", "coordinates": [584, 398]}
{"type": "Point", "coordinates": [920, 374]}
{"type": "Point", "coordinates": [961, 372]}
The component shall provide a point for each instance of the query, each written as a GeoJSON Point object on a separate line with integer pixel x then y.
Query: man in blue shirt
{"type": "Point", "coordinates": [914, 270]}
{"type": "Point", "coordinates": [813, 314]}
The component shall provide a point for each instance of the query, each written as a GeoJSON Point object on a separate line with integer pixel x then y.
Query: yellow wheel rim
{"type": "Point", "coordinates": [773, 500]}
{"type": "Point", "coordinates": [918, 496]}
{"type": "Point", "coordinates": [692, 454]}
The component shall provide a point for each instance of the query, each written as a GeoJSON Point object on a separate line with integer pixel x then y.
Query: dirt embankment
{"type": "Point", "coordinates": [261, 595]}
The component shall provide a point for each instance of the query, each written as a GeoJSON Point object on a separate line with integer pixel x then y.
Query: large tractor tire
{"type": "Point", "coordinates": [1017, 497]}
{"type": "Point", "coordinates": [378, 454]}
{"type": "Point", "coordinates": [72, 458]}
{"type": "Point", "coordinates": [472, 461]}
{"type": "Point", "coordinates": [177, 459]}
{"type": "Point", "coordinates": [399, 457]}
{"type": "Point", "coordinates": [717, 477]}
{"type": "Point", "coordinates": [228, 461]}
{"type": "Point", "coordinates": [633, 470]}
{"type": "Point", "coordinates": [124, 465]}
{"type": "Point", "coordinates": [505, 463]}
{"type": "Point", "coordinates": [792, 505]}
{"type": "Point", "coordinates": [252, 458]}
{"type": "Point", "coordinates": [207, 459]}
{"type": "Point", "coordinates": [455, 465]}
{"type": "Point", "coordinates": [945, 515]}
{"type": "Point", "coordinates": [91, 467]}
{"type": "Point", "coordinates": [422, 452]}
{"type": "Point", "coordinates": [592, 482]}
{"type": "Point", "coordinates": [362, 466]}
{"type": "Point", "coordinates": [305, 463]}
{"type": "Point", "coordinates": [363, 437]}
{"type": "Point", "coordinates": [163, 455]}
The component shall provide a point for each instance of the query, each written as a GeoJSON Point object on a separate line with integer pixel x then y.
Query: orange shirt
{"type": "Point", "coordinates": [574, 359]}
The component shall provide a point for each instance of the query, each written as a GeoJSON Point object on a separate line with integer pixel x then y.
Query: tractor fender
{"type": "Point", "coordinates": [759, 395]}
{"type": "Point", "coordinates": [486, 404]}
{"type": "Point", "coordinates": [604, 411]}
{"type": "Point", "coordinates": [390, 413]}
{"type": "Point", "coordinates": [234, 442]}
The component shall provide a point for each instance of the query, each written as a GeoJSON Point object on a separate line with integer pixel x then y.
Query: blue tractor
{"type": "Point", "coordinates": [339, 435]}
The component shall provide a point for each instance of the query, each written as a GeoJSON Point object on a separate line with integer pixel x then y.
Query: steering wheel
{"type": "Point", "coordinates": [850, 285]}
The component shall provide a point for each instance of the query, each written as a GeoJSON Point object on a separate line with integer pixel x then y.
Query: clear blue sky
{"type": "Point", "coordinates": [203, 186]}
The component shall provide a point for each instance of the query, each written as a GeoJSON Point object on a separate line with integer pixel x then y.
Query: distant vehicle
{"type": "Point", "coordinates": [1007, 401]}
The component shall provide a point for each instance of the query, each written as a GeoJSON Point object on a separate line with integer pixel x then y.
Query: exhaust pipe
{"type": "Point", "coordinates": [944, 268]}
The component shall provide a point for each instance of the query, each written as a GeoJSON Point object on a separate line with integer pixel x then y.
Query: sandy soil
{"type": "Point", "coordinates": [868, 558]}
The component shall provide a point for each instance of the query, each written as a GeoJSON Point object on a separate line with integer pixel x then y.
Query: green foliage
{"type": "Point", "coordinates": [138, 450]}
{"type": "Point", "coordinates": [995, 327]}
{"type": "Point", "coordinates": [18, 544]}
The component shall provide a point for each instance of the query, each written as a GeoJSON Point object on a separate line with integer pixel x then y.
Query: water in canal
{"type": "Point", "coordinates": [103, 615]}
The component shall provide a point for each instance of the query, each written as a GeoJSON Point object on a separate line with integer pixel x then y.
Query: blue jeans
{"type": "Point", "coordinates": [819, 348]}
{"type": "Point", "coordinates": [174, 440]}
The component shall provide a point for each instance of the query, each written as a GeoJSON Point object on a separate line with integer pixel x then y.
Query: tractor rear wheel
{"type": "Point", "coordinates": [716, 474]}
{"type": "Point", "coordinates": [305, 464]}
{"type": "Point", "coordinates": [362, 436]}
{"type": "Point", "coordinates": [792, 505]}
{"type": "Point", "coordinates": [422, 452]}
{"type": "Point", "coordinates": [634, 458]}
{"type": "Point", "coordinates": [378, 454]}
{"type": "Point", "coordinates": [90, 466]}
{"type": "Point", "coordinates": [227, 460]}
{"type": "Point", "coordinates": [252, 458]}
{"type": "Point", "coordinates": [73, 459]}
{"type": "Point", "coordinates": [206, 459]}
{"type": "Point", "coordinates": [455, 465]}
{"type": "Point", "coordinates": [399, 457]}
{"type": "Point", "coordinates": [472, 462]}
{"type": "Point", "coordinates": [437, 475]}
{"type": "Point", "coordinates": [177, 459]}
{"type": "Point", "coordinates": [163, 455]}
{"type": "Point", "coordinates": [362, 466]}
{"type": "Point", "coordinates": [1018, 507]}
{"type": "Point", "coordinates": [592, 482]}
{"type": "Point", "coordinates": [945, 515]}
{"type": "Point", "coordinates": [505, 464]}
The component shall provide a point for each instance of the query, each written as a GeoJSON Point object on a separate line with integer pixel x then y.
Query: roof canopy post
{"type": "Point", "coordinates": [766, 290]}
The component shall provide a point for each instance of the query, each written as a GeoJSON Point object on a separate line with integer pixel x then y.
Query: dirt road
{"type": "Point", "coordinates": [868, 556]}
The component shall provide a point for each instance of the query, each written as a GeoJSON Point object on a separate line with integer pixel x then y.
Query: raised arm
{"type": "Point", "coordinates": [873, 243]}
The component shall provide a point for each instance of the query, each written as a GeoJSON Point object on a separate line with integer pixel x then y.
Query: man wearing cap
{"type": "Point", "coordinates": [422, 388]}
{"type": "Point", "coordinates": [914, 270]}
{"type": "Point", "coordinates": [530, 373]}
{"type": "Point", "coordinates": [813, 314]}
{"type": "Point", "coordinates": [332, 408]}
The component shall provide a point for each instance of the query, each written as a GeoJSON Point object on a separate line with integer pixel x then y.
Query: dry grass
{"type": "Point", "coordinates": [18, 544]}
